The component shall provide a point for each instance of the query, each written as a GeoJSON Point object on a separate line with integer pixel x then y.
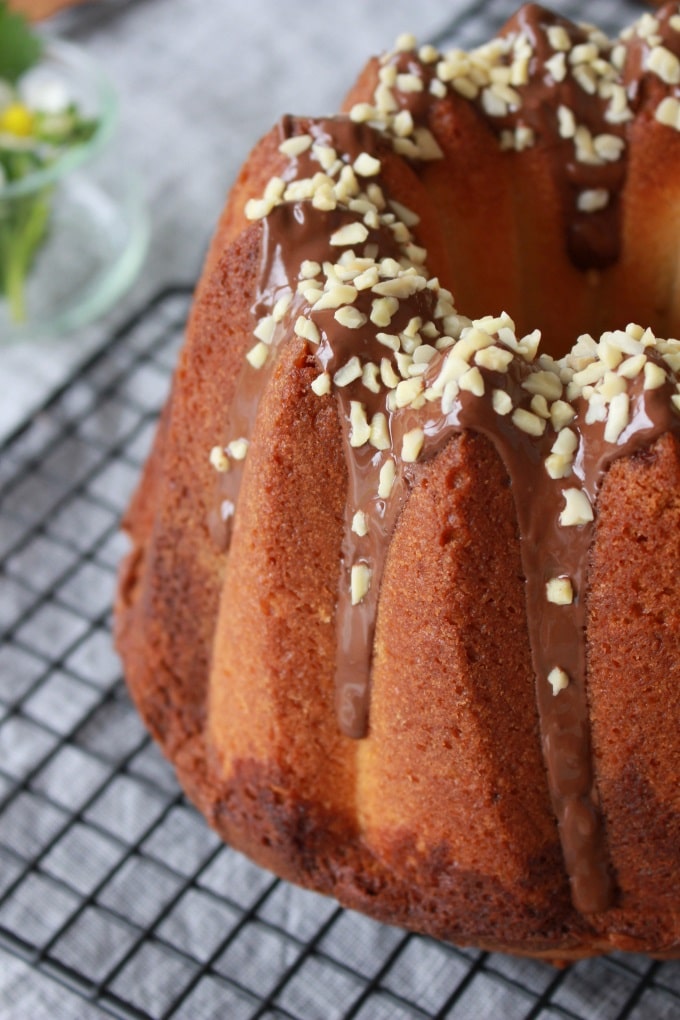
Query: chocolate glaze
{"type": "Point", "coordinates": [593, 237]}
{"type": "Point", "coordinates": [294, 232]}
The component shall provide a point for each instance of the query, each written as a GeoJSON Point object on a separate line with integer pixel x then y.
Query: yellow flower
{"type": "Point", "coordinates": [17, 119]}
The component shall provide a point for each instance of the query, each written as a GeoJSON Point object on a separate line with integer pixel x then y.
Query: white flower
{"type": "Point", "coordinates": [41, 89]}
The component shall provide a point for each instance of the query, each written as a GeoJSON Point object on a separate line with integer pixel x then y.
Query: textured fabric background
{"type": "Point", "coordinates": [81, 790]}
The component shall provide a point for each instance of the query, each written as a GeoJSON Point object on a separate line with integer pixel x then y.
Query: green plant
{"type": "Point", "coordinates": [31, 140]}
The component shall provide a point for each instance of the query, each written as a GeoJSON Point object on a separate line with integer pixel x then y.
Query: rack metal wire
{"type": "Point", "coordinates": [110, 882]}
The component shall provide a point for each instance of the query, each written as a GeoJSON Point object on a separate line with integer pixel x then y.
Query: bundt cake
{"type": "Point", "coordinates": [403, 600]}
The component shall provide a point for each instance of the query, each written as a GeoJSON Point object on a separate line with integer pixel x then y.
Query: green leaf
{"type": "Point", "coordinates": [20, 47]}
{"type": "Point", "coordinates": [24, 223]}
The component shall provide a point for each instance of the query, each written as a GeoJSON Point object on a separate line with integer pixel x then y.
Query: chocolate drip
{"type": "Point", "coordinates": [593, 238]}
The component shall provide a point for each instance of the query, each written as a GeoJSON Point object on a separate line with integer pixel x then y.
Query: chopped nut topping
{"type": "Point", "coordinates": [324, 198]}
{"type": "Point", "coordinates": [557, 67]}
{"type": "Point", "coordinates": [407, 391]}
{"type": "Point", "coordinates": [370, 377]}
{"type": "Point", "coordinates": [350, 371]}
{"type": "Point", "coordinates": [428, 54]}
{"type": "Point", "coordinates": [274, 190]}
{"type": "Point", "coordinates": [257, 208]}
{"type": "Point", "coordinates": [539, 406]}
{"type": "Point", "coordinates": [360, 582]}
{"type": "Point", "coordinates": [665, 64]}
{"type": "Point", "coordinates": [558, 465]}
{"type": "Point", "coordinates": [359, 524]}
{"type": "Point", "coordinates": [527, 421]}
{"type": "Point", "coordinates": [577, 509]}
{"type": "Point", "coordinates": [382, 310]}
{"type": "Point", "coordinates": [387, 374]}
{"type": "Point", "coordinates": [401, 288]}
{"type": "Point", "coordinates": [593, 200]}
{"type": "Point", "coordinates": [585, 76]}
{"type": "Point", "coordinates": [501, 402]}
{"type": "Point", "coordinates": [264, 330]}
{"type": "Point", "coordinates": [363, 112]}
{"type": "Point", "coordinates": [367, 279]}
{"type": "Point", "coordinates": [668, 112]}
{"type": "Point", "coordinates": [403, 123]}
{"type": "Point", "coordinates": [405, 42]}
{"type": "Point", "coordinates": [561, 414]}
{"type": "Point", "coordinates": [406, 216]}
{"type": "Point", "coordinates": [654, 376]}
{"type": "Point", "coordinates": [438, 88]}
{"type": "Point", "coordinates": [307, 330]}
{"type": "Point", "coordinates": [618, 417]}
{"type": "Point", "coordinates": [409, 83]}
{"type": "Point", "coordinates": [322, 384]}
{"type": "Point", "coordinates": [494, 358]}
{"type": "Point", "coordinates": [388, 74]}
{"type": "Point", "coordinates": [219, 459]}
{"type": "Point", "coordinates": [325, 155]}
{"type": "Point", "coordinates": [472, 381]}
{"type": "Point", "coordinates": [583, 53]}
{"type": "Point", "coordinates": [351, 233]}
{"type": "Point", "coordinates": [380, 434]}
{"type": "Point", "coordinates": [366, 165]}
{"type": "Point", "coordinates": [237, 449]}
{"type": "Point", "coordinates": [545, 383]}
{"type": "Point", "coordinates": [493, 104]}
{"type": "Point", "coordinates": [528, 345]}
{"type": "Point", "coordinates": [258, 354]}
{"type": "Point", "coordinates": [388, 474]}
{"type": "Point", "coordinates": [618, 111]}
{"type": "Point", "coordinates": [465, 87]}
{"type": "Point", "coordinates": [311, 290]}
{"type": "Point", "coordinates": [558, 680]}
{"type": "Point", "coordinates": [360, 431]}
{"type": "Point", "coordinates": [559, 591]}
{"type": "Point", "coordinates": [404, 362]}
{"type": "Point", "coordinates": [335, 296]}
{"type": "Point", "coordinates": [608, 147]}
{"type": "Point", "coordinates": [611, 385]}
{"type": "Point", "coordinates": [566, 443]}
{"type": "Point", "coordinates": [390, 340]}
{"type": "Point", "coordinates": [350, 317]}
{"type": "Point", "coordinates": [558, 37]}
{"type": "Point", "coordinates": [427, 147]}
{"type": "Point", "coordinates": [308, 269]}
{"type": "Point", "coordinates": [278, 312]}
{"type": "Point", "coordinates": [295, 146]}
{"type": "Point", "coordinates": [423, 354]}
{"type": "Point", "coordinates": [412, 444]}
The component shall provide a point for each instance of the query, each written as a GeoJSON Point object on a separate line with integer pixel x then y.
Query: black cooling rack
{"type": "Point", "coordinates": [110, 882]}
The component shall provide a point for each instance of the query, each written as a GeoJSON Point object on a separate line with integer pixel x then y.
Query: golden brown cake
{"type": "Point", "coordinates": [403, 602]}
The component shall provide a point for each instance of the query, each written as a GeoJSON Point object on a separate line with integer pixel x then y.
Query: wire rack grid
{"type": "Point", "coordinates": [110, 882]}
